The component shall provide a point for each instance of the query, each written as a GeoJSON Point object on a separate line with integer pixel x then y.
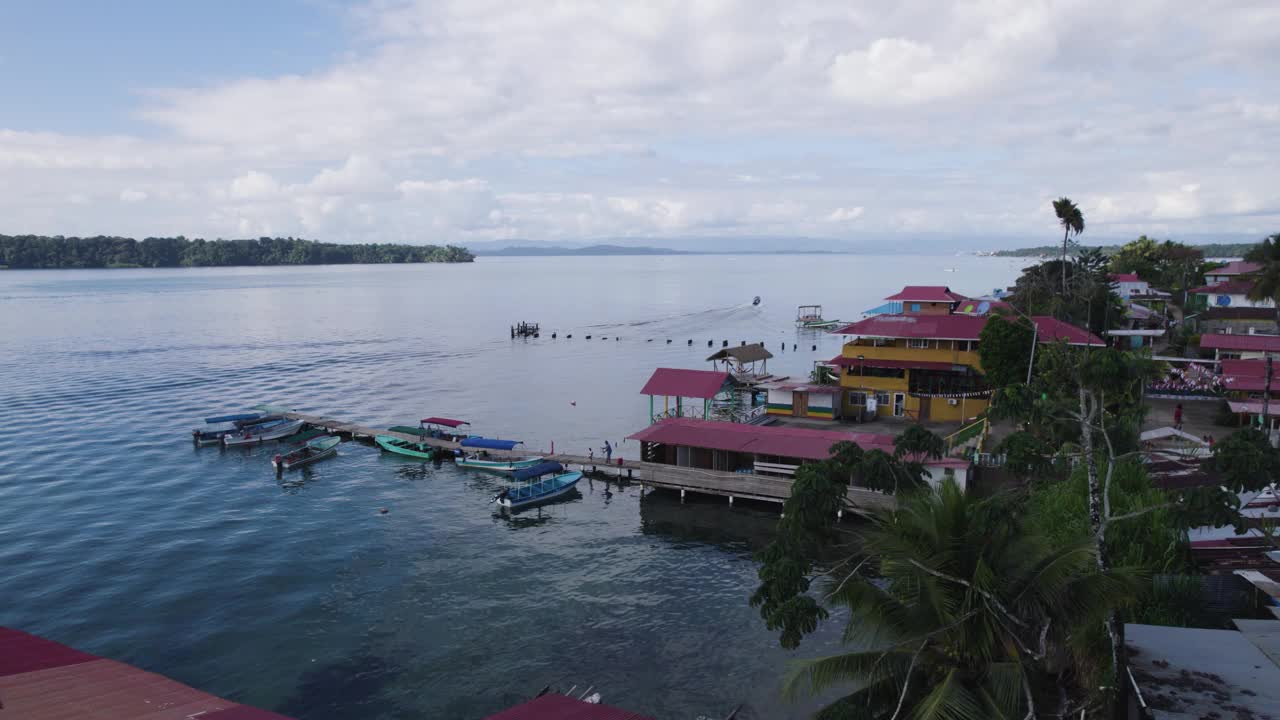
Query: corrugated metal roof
{"type": "Point", "coordinates": [560, 707]}
{"type": "Point", "coordinates": [783, 441]}
{"type": "Point", "coordinates": [1235, 267]}
{"type": "Point", "coordinates": [926, 293]}
{"type": "Point", "coordinates": [44, 680]}
{"type": "Point", "coordinates": [918, 327]}
{"type": "Point", "coordinates": [1051, 329]}
{"type": "Point", "coordinates": [1239, 286]}
{"type": "Point", "coordinates": [1229, 671]}
{"type": "Point", "coordinates": [677, 382]}
{"type": "Point", "coordinates": [744, 353]}
{"type": "Point", "coordinates": [1268, 343]}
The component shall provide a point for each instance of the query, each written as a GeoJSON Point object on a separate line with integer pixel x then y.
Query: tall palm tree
{"type": "Point", "coordinates": [971, 615]}
{"type": "Point", "coordinates": [1072, 221]}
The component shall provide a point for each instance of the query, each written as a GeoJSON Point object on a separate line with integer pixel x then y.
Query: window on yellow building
{"type": "Point", "coordinates": [918, 344]}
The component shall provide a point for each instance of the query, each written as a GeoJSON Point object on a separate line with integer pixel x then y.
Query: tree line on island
{"type": "Point", "coordinates": [1010, 602]}
{"type": "Point", "coordinates": [45, 252]}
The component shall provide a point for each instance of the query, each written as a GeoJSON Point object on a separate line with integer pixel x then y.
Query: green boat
{"type": "Point", "coordinates": [480, 462]}
{"type": "Point", "coordinates": [420, 450]}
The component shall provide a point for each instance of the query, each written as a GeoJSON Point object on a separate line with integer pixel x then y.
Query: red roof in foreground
{"type": "Point", "coordinates": [1254, 343]}
{"type": "Point", "coordinates": [560, 707]}
{"type": "Point", "coordinates": [926, 293]}
{"type": "Point", "coordinates": [674, 382]}
{"type": "Point", "coordinates": [1256, 368]}
{"type": "Point", "coordinates": [918, 327]}
{"type": "Point", "coordinates": [44, 680]}
{"type": "Point", "coordinates": [761, 439]}
{"type": "Point", "coordinates": [894, 364]}
{"type": "Point", "coordinates": [1227, 287]}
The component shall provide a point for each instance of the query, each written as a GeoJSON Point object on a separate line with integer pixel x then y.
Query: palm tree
{"type": "Point", "coordinates": [1072, 221]}
{"type": "Point", "coordinates": [1266, 282]}
{"type": "Point", "coordinates": [971, 616]}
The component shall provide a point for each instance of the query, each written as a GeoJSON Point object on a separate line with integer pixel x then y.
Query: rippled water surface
{"type": "Point", "coordinates": [120, 538]}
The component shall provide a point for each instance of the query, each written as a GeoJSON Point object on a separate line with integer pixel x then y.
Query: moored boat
{"type": "Point", "coordinates": [481, 461]}
{"type": "Point", "coordinates": [254, 434]}
{"type": "Point", "coordinates": [420, 450]}
{"type": "Point", "coordinates": [230, 424]}
{"type": "Point", "coordinates": [538, 484]}
{"type": "Point", "coordinates": [810, 316]}
{"type": "Point", "coordinates": [315, 450]}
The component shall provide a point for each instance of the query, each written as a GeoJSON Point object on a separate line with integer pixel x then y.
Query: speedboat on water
{"type": "Point", "coordinates": [538, 484]}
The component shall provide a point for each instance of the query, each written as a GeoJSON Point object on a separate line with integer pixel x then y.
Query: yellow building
{"type": "Point", "coordinates": [922, 363]}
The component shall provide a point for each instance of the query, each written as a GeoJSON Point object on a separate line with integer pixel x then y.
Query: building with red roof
{"type": "Point", "coordinates": [925, 365]}
{"type": "Point", "coordinates": [682, 384]}
{"type": "Point", "coordinates": [762, 449]}
{"type": "Point", "coordinates": [1228, 287]}
{"type": "Point", "coordinates": [1237, 347]}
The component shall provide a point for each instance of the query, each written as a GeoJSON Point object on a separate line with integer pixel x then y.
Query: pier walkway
{"type": "Point", "coordinates": [732, 485]}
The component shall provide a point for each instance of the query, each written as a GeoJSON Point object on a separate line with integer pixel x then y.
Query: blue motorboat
{"type": "Point", "coordinates": [229, 424]}
{"type": "Point", "coordinates": [537, 484]}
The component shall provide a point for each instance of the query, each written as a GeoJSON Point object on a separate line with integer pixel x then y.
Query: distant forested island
{"type": "Point", "coordinates": [44, 252]}
{"type": "Point", "coordinates": [544, 251]}
{"type": "Point", "coordinates": [1209, 250]}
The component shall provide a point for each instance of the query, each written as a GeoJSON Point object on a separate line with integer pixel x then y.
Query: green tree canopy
{"type": "Point", "coordinates": [1004, 345]}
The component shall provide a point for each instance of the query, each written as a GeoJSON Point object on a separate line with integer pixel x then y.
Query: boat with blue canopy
{"type": "Point", "coordinates": [540, 483]}
{"type": "Point", "coordinates": [264, 432]}
{"type": "Point", "coordinates": [483, 461]}
{"type": "Point", "coordinates": [485, 443]}
{"type": "Point", "coordinates": [230, 424]}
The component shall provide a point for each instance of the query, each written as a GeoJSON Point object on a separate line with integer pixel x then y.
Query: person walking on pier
{"type": "Point", "coordinates": [608, 452]}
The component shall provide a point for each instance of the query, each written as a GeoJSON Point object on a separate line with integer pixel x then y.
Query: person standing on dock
{"type": "Point", "coordinates": [608, 452]}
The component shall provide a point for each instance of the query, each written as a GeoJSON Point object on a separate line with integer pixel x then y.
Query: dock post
{"type": "Point", "coordinates": [629, 474]}
{"type": "Point", "coordinates": [730, 501]}
{"type": "Point", "coordinates": [681, 494]}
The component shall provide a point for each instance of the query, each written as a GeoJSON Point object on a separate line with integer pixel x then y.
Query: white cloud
{"type": "Point", "coordinates": [254, 185]}
{"type": "Point", "coordinates": [735, 117]}
{"type": "Point", "coordinates": [845, 214]}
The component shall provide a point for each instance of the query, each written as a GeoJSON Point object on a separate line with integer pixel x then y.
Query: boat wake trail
{"type": "Point", "coordinates": [682, 322]}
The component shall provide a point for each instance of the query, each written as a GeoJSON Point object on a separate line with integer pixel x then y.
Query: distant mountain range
{"type": "Point", "coordinates": [1210, 250]}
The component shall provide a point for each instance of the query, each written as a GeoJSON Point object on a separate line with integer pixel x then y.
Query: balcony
{"type": "Point", "coordinates": [906, 354]}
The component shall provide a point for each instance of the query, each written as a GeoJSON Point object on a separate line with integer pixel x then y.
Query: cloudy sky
{"type": "Point", "coordinates": [429, 121]}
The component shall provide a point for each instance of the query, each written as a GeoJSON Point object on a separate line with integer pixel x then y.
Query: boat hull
{"type": "Point", "coordinates": [539, 492]}
{"type": "Point", "coordinates": [422, 451]}
{"type": "Point", "coordinates": [497, 465]}
{"type": "Point", "coordinates": [316, 456]}
{"type": "Point", "coordinates": [249, 436]}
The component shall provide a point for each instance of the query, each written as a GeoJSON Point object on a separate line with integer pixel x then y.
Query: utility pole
{"type": "Point", "coordinates": [1266, 400]}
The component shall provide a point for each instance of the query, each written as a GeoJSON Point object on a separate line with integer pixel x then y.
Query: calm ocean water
{"type": "Point", "coordinates": [118, 537]}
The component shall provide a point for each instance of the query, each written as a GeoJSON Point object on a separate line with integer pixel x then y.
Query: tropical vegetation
{"type": "Point", "coordinates": [38, 252]}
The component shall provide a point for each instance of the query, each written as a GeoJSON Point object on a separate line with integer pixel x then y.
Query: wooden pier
{"type": "Point", "coordinates": [751, 486]}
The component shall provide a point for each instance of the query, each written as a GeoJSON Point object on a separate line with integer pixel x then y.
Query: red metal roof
{"type": "Point", "coordinates": [918, 327]}
{"type": "Point", "coordinates": [1051, 329]}
{"type": "Point", "coordinates": [960, 327]}
{"type": "Point", "coordinates": [926, 293]}
{"type": "Point", "coordinates": [896, 364]}
{"type": "Point", "coordinates": [675, 382]}
{"type": "Point", "coordinates": [560, 707]}
{"type": "Point", "coordinates": [1253, 343]}
{"type": "Point", "coordinates": [1245, 368]}
{"type": "Point", "coordinates": [447, 422]}
{"type": "Point", "coordinates": [760, 439]}
{"type": "Point", "coordinates": [1236, 267]}
{"type": "Point", "coordinates": [1226, 287]}
{"type": "Point", "coordinates": [44, 680]}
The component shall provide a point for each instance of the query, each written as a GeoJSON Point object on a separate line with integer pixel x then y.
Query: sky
{"type": "Point", "coordinates": [432, 121]}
